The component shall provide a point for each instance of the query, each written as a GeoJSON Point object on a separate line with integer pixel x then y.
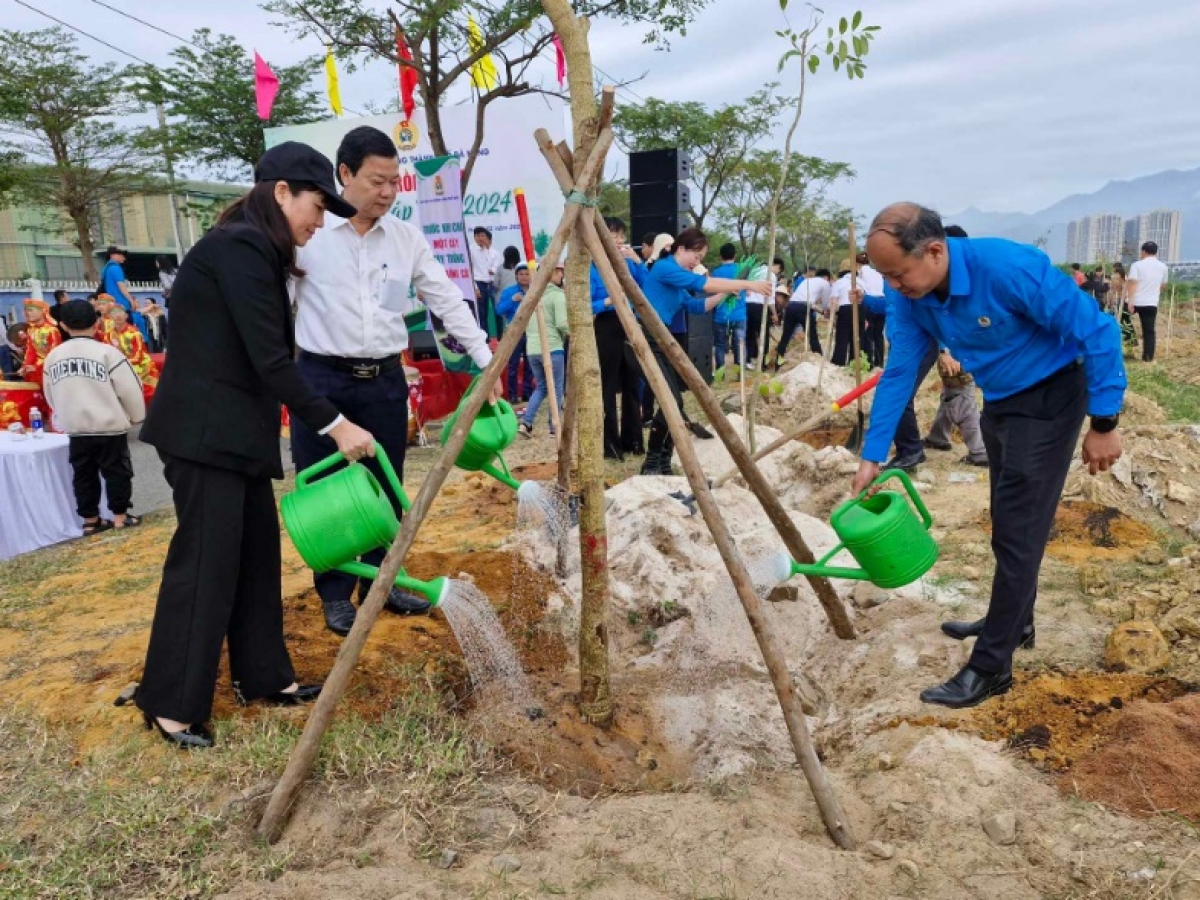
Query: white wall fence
{"type": "Point", "coordinates": [35, 287]}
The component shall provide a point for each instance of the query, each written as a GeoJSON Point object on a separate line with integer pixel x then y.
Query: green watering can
{"type": "Point", "coordinates": [336, 519]}
{"type": "Point", "coordinates": [493, 430]}
{"type": "Point", "coordinates": [892, 545]}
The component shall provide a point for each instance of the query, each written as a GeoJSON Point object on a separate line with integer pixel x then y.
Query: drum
{"type": "Point", "coordinates": [412, 375]}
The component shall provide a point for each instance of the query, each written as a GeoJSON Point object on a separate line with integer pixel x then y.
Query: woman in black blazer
{"type": "Point", "coordinates": [215, 423]}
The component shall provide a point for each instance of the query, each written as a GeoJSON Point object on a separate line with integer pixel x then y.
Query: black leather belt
{"type": "Point", "coordinates": [357, 367]}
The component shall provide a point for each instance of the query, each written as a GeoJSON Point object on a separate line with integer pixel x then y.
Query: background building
{"type": "Point", "coordinates": [36, 242]}
{"type": "Point", "coordinates": [1107, 238]}
{"type": "Point", "coordinates": [1095, 239]}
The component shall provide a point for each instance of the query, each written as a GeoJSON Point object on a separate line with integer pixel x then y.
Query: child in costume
{"type": "Point", "coordinates": [102, 303]}
{"type": "Point", "coordinates": [126, 338]}
{"type": "Point", "coordinates": [43, 336]}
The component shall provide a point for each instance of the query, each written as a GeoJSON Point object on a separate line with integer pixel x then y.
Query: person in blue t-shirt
{"type": "Point", "coordinates": [729, 316]}
{"type": "Point", "coordinates": [1045, 357]}
{"type": "Point", "coordinates": [506, 307]}
{"type": "Point", "coordinates": [113, 283]}
{"type": "Point", "coordinates": [672, 285]}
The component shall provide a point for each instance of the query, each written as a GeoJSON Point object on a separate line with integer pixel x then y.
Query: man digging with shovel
{"type": "Point", "coordinates": [1044, 355]}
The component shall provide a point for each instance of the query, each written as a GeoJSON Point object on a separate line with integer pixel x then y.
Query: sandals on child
{"type": "Point", "coordinates": [91, 528]}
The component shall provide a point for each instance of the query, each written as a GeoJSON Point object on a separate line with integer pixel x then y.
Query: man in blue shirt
{"type": "Point", "coordinates": [1044, 355]}
{"type": "Point", "coordinates": [729, 316]}
{"type": "Point", "coordinates": [113, 283]}
{"type": "Point", "coordinates": [620, 374]}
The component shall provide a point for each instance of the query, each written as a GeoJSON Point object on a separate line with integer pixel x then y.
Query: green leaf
{"type": "Point", "coordinates": [829, 49]}
{"type": "Point", "coordinates": [871, 28]}
{"type": "Point", "coordinates": [813, 62]}
{"type": "Point", "coordinates": [857, 19]}
{"type": "Point", "coordinates": [843, 50]}
{"type": "Point", "coordinates": [843, 25]}
{"type": "Point", "coordinates": [837, 63]}
{"type": "Point", "coordinates": [783, 5]}
{"type": "Point", "coordinates": [830, 32]}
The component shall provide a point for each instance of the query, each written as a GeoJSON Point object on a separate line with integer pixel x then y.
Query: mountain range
{"type": "Point", "coordinates": [1172, 189]}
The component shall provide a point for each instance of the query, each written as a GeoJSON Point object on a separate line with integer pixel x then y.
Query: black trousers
{"type": "Point", "coordinates": [908, 432]}
{"type": "Point", "coordinates": [380, 405]}
{"type": "Point", "coordinates": [620, 376]}
{"type": "Point", "coordinates": [96, 456]}
{"type": "Point", "coordinates": [754, 319]}
{"type": "Point", "coordinates": [660, 442]}
{"type": "Point", "coordinates": [873, 339]}
{"type": "Point", "coordinates": [1149, 318]}
{"type": "Point", "coordinates": [221, 581]}
{"type": "Point", "coordinates": [843, 343]}
{"type": "Point", "coordinates": [797, 316]}
{"type": "Point", "coordinates": [1030, 439]}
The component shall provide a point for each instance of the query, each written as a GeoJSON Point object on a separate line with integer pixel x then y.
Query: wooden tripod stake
{"type": "Point", "coordinates": [321, 716]}
{"type": "Point", "coordinates": [785, 687]}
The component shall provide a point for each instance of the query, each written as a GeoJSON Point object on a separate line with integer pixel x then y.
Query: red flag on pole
{"type": "Point", "coordinates": [560, 61]}
{"type": "Point", "coordinates": [266, 86]}
{"type": "Point", "coordinates": [408, 75]}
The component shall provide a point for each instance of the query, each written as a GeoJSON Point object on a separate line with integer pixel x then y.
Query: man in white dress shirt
{"type": "Point", "coordinates": [361, 276]}
{"type": "Point", "coordinates": [485, 263]}
{"type": "Point", "coordinates": [873, 339]}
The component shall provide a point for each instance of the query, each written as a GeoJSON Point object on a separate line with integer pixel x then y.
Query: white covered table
{"type": "Point", "coordinates": [37, 501]}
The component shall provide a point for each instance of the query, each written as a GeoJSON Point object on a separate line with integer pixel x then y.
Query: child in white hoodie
{"type": "Point", "coordinates": [96, 397]}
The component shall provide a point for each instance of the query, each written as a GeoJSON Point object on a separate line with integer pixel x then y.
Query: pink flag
{"type": "Point", "coordinates": [560, 61]}
{"type": "Point", "coordinates": [266, 86]}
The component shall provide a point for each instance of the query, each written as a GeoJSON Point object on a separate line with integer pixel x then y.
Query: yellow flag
{"type": "Point", "coordinates": [331, 84]}
{"type": "Point", "coordinates": [483, 73]}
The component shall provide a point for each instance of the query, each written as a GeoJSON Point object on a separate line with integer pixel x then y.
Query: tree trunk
{"type": "Point", "coordinates": [595, 693]}
{"type": "Point", "coordinates": [83, 234]}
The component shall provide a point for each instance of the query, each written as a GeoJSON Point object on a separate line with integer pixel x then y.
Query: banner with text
{"type": "Point", "coordinates": [440, 210]}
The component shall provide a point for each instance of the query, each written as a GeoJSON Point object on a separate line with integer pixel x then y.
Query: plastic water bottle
{"type": "Point", "coordinates": [35, 422]}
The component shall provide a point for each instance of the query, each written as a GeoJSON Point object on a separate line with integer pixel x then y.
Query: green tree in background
{"type": "Point", "coordinates": [716, 141]}
{"type": "Point", "coordinates": [60, 146]}
{"type": "Point", "coordinates": [209, 93]}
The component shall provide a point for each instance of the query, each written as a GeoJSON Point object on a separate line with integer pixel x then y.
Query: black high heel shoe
{"type": "Point", "coordinates": [305, 693]}
{"type": "Point", "coordinates": [194, 737]}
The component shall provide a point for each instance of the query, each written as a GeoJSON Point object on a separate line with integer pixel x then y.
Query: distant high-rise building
{"type": "Point", "coordinates": [1094, 239]}
{"type": "Point", "coordinates": [1161, 226]}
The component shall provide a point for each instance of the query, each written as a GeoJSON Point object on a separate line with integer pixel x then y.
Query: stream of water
{"type": "Point", "coordinates": [496, 674]}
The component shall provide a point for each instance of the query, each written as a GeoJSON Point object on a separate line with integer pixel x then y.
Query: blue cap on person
{"type": "Point", "coordinates": [293, 161]}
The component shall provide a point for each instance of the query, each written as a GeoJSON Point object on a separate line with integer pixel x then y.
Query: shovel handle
{"type": "Point", "coordinates": [908, 487]}
{"type": "Point", "coordinates": [842, 402]}
{"type": "Point", "coordinates": [303, 478]}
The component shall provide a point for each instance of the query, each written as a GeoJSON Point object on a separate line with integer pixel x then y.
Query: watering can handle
{"type": "Point", "coordinates": [303, 478]}
{"type": "Point", "coordinates": [908, 487]}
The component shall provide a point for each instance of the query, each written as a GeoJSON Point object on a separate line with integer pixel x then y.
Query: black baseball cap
{"type": "Point", "coordinates": [112, 250]}
{"type": "Point", "coordinates": [78, 315]}
{"type": "Point", "coordinates": [294, 161]}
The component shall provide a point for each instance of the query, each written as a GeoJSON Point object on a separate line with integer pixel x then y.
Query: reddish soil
{"type": "Point", "coordinates": [829, 436]}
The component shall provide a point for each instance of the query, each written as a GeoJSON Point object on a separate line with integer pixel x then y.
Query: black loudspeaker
{"type": "Point", "coordinates": [422, 345]}
{"type": "Point", "coordinates": [658, 198]}
{"type": "Point", "coordinates": [649, 166]}
{"type": "Point", "coordinates": [640, 226]}
{"type": "Point", "coordinates": [699, 343]}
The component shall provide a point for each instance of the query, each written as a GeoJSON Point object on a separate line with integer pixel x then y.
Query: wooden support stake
{"type": "Point", "coordinates": [785, 686]}
{"type": "Point", "coordinates": [1170, 322]}
{"type": "Point", "coordinates": [835, 610]}
{"type": "Point", "coordinates": [321, 716]}
{"type": "Point", "coordinates": [854, 316]}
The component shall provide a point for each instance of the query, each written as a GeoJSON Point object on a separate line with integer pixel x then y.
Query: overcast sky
{"type": "Point", "coordinates": [1006, 105]}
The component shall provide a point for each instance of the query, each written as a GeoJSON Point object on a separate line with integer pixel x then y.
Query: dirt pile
{"type": "Point", "coordinates": [1057, 719]}
{"type": "Point", "coordinates": [1150, 763]}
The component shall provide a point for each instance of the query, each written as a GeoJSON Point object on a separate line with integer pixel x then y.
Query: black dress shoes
{"type": "Point", "coordinates": [406, 603]}
{"type": "Point", "coordinates": [194, 737]}
{"type": "Point", "coordinates": [339, 616]}
{"type": "Point", "coordinates": [960, 631]}
{"type": "Point", "coordinates": [935, 445]}
{"type": "Point", "coordinates": [305, 693]}
{"type": "Point", "coordinates": [906, 463]}
{"type": "Point", "coordinates": [968, 688]}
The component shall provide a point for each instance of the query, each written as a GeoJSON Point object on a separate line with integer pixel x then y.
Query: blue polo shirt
{"type": "Point", "coordinates": [1012, 319]}
{"type": "Point", "coordinates": [731, 310]}
{"type": "Point", "coordinates": [600, 292]}
{"type": "Point", "coordinates": [668, 287]}
{"type": "Point", "coordinates": [110, 277]}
